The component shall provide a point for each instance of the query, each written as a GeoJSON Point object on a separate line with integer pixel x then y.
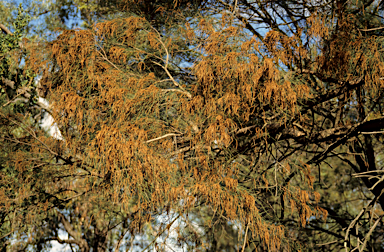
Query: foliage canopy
{"type": "Point", "coordinates": [194, 111]}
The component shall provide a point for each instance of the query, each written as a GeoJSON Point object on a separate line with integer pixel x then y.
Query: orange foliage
{"type": "Point", "coordinates": [138, 137]}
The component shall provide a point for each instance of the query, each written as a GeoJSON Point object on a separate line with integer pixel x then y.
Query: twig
{"type": "Point", "coordinates": [13, 99]}
{"type": "Point", "coordinates": [245, 237]}
{"type": "Point", "coordinates": [372, 29]}
{"type": "Point", "coordinates": [373, 132]}
{"type": "Point", "coordinates": [362, 212]}
{"type": "Point", "coordinates": [77, 195]}
{"type": "Point", "coordinates": [378, 182]}
{"type": "Point", "coordinates": [130, 248]}
{"type": "Point", "coordinates": [160, 233]}
{"type": "Point", "coordinates": [35, 137]}
{"type": "Point", "coordinates": [22, 91]}
{"type": "Point", "coordinates": [181, 150]}
{"type": "Point", "coordinates": [323, 244]}
{"type": "Point", "coordinates": [166, 65]}
{"type": "Point", "coordinates": [175, 90]}
{"type": "Point", "coordinates": [161, 137]}
{"type": "Point", "coordinates": [6, 235]}
{"type": "Point", "coordinates": [369, 233]}
{"type": "Point", "coordinates": [244, 130]}
{"type": "Point", "coordinates": [121, 239]}
{"type": "Point", "coordinates": [357, 174]}
{"type": "Point", "coordinates": [105, 58]}
{"type": "Point", "coordinates": [173, 80]}
{"type": "Point", "coordinates": [71, 231]}
{"type": "Point", "coordinates": [32, 133]}
{"type": "Point", "coordinates": [235, 7]}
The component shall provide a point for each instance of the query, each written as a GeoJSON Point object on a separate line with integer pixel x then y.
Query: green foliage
{"type": "Point", "coordinates": [15, 81]}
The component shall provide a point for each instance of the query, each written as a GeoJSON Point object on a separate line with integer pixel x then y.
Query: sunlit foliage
{"type": "Point", "coordinates": [200, 116]}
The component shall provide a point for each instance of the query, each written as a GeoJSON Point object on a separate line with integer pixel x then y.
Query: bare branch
{"type": "Point", "coordinates": [121, 239]}
{"type": "Point", "coordinates": [245, 238]}
{"type": "Point", "coordinates": [64, 241]}
{"type": "Point", "coordinates": [373, 132]}
{"type": "Point", "coordinates": [173, 80]}
{"type": "Point", "coordinates": [5, 29]}
{"type": "Point", "coordinates": [175, 90]}
{"type": "Point", "coordinates": [161, 137]}
{"type": "Point", "coordinates": [161, 232]}
{"type": "Point", "coordinates": [328, 243]}
{"type": "Point", "coordinates": [362, 212]}
{"type": "Point", "coordinates": [166, 66]}
{"type": "Point", "coordinates": [372, 29]}
{"type": "Point", "coordinates": [370, 232]}
{"type": "Point", "coordinates": [358, 174]}
{"type": "Point", "coordinates": [76, 235]}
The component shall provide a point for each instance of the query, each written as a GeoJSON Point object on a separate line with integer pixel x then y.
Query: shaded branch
{"type": "Point", "coordinates": [68, 227]}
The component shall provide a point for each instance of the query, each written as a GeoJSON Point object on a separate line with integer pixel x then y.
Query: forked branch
{"type": "Point", "coordinates": [166, 66]}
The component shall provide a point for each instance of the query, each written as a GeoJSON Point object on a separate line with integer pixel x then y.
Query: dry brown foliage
{"type": "Point", "coordinates": [141, 135]}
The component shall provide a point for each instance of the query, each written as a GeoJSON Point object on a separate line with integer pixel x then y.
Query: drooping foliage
{"type": "Point", "coordinates": [206, 116]}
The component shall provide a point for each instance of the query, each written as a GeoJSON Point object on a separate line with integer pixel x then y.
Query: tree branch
{"type": "Point", "coordinates": [161, 137]}
{"type": "Point", "coordinates": [5, 29]}
{"type": "Point", "coordinates": [77, 236]}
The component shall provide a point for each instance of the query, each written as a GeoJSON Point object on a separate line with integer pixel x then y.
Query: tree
{"type": "Point", "coordinates": [350, 36]}
{"type": "Point", "coordinates": [18, 98]}
{"type": "Point", "coordinates": [48, 224]}
{"type": "Point", "coordinates": [242, 137]}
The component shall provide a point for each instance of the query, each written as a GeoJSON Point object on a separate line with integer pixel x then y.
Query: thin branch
{"type": "Point", "coordinates": [372, 29]}
{"type": "Point", "coordinates": [12, 100]}
{"type": "Point", "coordinates": [17, 141]}
{"type": "Point", "coordinates": [362, 212]}
{"type": "Point", "coordinates": [165, 48]}
{"type": "Point", "coordinates": [185, 149]}
{"type": "Point", "coordinates": [5, 29]}
{"type": "Point", "coordinates": [77, 195]}
{"type": "Point", "coordinates": [131, 241]}
{"type": "Point", "coordinates": [166, 66]}
{"type": "Point", "coordinates": [76, 235]}
{"type": "Point", "coordinates": [373, 132]}
{"type": "Point", "coordinates": [328, 243]}
{"type": "Point", "coordinates": [6, 235]}
{"type": "Point", "coordinates": [64, 241]}
{"type": "Point", "coordinates": [161, 137]}
{"type": "Point", "coordinates": [358, 174]}
{"type": "Point", "coordinates": [245, 238]}
{"type": "Point", "coordinates": [121, 239]}
{"type": "Point", "coordinates": [35, 137]}
{"type": "Point", "coordinates": [369, 233]}
{"type": "Point", "coordinates": [173, 80]}
{"type": "Point", "coordinates": [21, 91]}
{"type": "Point", "coordinates": [160, 233]}
{"type": "Point", "coordinates": [105, 58]}
{"type": "Point", "coordinates": [235, 7]}
{"type": "Point", "coordinates": [377, 182]}
{"type": "Point", "coordinates": [175, 90]}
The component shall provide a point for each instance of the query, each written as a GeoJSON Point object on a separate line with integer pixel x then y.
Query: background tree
{"type": "Point", "coordinates": [18, 99]}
